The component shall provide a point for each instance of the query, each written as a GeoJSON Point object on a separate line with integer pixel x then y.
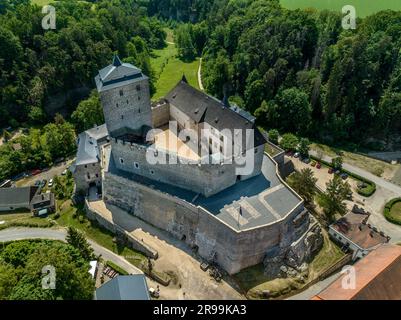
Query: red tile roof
{"type": "Point", "coordinates": [353, 226]}
{"type": "Point", "coordinates": [377, 277]}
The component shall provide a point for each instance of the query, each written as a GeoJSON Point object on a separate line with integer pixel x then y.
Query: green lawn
{"type": "Point", "coordinates": [169, 70]}
{"type": "Point", "coordinates": [41, 2]}
{"type": "Point", "coordinates": [23, 219]}
{"type": "Point", "coordinates": [70, 216]}
{"type": "Point", "coordinates": [363, 7]}
{"type": "Point", "coordinates": [396, 210]}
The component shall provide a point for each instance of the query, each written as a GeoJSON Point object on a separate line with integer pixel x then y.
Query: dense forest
{"type": "Point", "coordinates": [36, 64]}
{"type": "Point", "coordinates": [22, 262]}
{"type": "Point", "coordinates": [298, 70]}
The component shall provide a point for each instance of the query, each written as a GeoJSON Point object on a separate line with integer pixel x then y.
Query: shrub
{"type": "Point", "coordinates": [117, 268]}
{"type": "Point", "coordinates": [387, 211]}
{"type": "Point", "coordinates": [81, 219]}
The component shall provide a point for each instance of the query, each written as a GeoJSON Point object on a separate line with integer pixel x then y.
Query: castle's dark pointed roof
{"type": "Point", "coordinates": [201, 107]}
{"type": "Point", "coordinates": [116, 61]}
{"type": "Point", "coordinates": [117, 74]}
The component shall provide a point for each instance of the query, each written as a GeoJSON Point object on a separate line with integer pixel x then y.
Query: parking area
{"type": "Point", "coordinates": [48, 174]}
{"type": "Point", "coordinates": [323, 176]}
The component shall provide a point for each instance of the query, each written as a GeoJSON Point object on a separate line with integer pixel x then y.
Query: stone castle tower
{"type": "Point", "coordinates": [124, 95]}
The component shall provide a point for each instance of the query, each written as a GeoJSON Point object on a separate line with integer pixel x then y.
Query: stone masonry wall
{"type": "Point", "coordinates": [160, 115]}
{"type": "Point", "coordinates": [205, 179]}
{"type": "Point", "coordinates": [232, 250]}
{"type": "Point", "coordinates": [127, 106]}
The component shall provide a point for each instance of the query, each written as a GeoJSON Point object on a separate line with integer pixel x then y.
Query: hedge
{"type": "Point", "coordinates": [117, 268]}
{"type": "Point", "coordinates": [366, 192]}
{"type": "Point", "coordinates": [387, 211]}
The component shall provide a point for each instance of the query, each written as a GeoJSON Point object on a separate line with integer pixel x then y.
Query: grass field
{"type": "Point", "coordinates": [69, 216]}
{"type": "Point", "coordinates": [41, 2]}
{"type": "Point", "coordinates": [363, 7]}
{"type": "Point", "coordinates": [169, 69]}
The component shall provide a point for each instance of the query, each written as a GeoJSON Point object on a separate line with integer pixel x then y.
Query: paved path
{"type": "Point", "coordinates": [12, 234]}
{"type": "Point", "coordinates": [200, 76]}
{"type": "Point", "coordinates": [379, 181]}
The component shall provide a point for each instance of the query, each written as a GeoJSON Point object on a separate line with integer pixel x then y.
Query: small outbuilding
{"type": "Point", "coordinates": [131, 287]}
{"type": "Point", "coordinates": [12, 199]}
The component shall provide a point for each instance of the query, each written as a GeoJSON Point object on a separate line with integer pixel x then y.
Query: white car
{"type": "Point", "coordinates": [64, 172]}
{"type": "Point", "coordinates": [50, 183]}
{"type": "Point", "coordinates": [296, 154]}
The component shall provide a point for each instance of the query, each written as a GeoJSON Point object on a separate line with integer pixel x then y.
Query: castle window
{"type": "Point", "coordinates": [139, 110]}
{"type": "Point", "coordinates": [152, 172]}
{"type": "Point", "coordinates": [139, 97]}
{"type": "Point", "coordinates": [117, 105]}
{"type": "Point", "coordinates": [121, 93]}
{"type": "Point", "coordinates": [97, 175]}
{"type": "Point", "coordinates": [122, 117]}
{"type": "Point", "coordinates": [93, 164]}
{"type": "Point", "coordinates": [121, 160]}
{"type": "Point", "coordinates": [86, 166]}
{"type": "Point", "coordinates": [256, 150]}
{"type": "Point", "coordinates": [136, 165]}
{"type": "Point", "coordinates": [88, 175]}
{"type": "Point", "coordinates": [138, 88]}
{"type": "Point", "coordinates": [221, 149]}
{"type": "Point", "coordinates": [127, 101]}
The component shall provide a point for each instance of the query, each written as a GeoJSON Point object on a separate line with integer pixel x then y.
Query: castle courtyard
{"type": "Point", "coordinates": [175, 257]}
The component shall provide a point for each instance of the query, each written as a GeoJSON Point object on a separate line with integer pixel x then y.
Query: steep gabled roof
{"type": "Point", "coordinates": [17, 197]}
{"type": "Point", "coordinates": [117, 74]}
{"type": "Point", "coordinates": [88, 149]}
{"type": "Point", "coordinates": [377, 277]}
{"type": "Point", "coordinates": [201, 107]}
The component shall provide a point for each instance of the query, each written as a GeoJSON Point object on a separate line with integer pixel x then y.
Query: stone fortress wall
{"type": "Point", "coordinates": [207, 179]}
{"type": "Point", "coordinates": [233, 250]}
{"type": "Point", "coordinates": [127, 106]}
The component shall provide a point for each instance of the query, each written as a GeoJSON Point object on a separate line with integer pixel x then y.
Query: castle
{"type": "Point", "coordinates": [191, 165]}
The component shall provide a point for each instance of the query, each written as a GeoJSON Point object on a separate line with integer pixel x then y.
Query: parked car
{"type": "Point", "coordinates": [43, 183]}
{"type": "Point", "coordinates": [64, 172]}
{"type": "Point", "coordinates": [313, 164]}
{"type": "Point", "coordinates": [50, 183]}
{"type": "Point", "coordinates": [37, 183]}
{"type": "Point", "coordinates": [36, 172]}
{"type": "Point", "coordinates": [344, 176]}
{"type": "Point", "coordinates": [337, 171]}
{"type": "Point", "coordinates": [296, 155]}
{"type": "Point", "coordinates": [318, 165]}
{"type": "Point", "coordinates": [306, 160]}
{"type": "Point", "coordinates": [289, 153]}
{"type": "Point", "coordinates": [331, 170]}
